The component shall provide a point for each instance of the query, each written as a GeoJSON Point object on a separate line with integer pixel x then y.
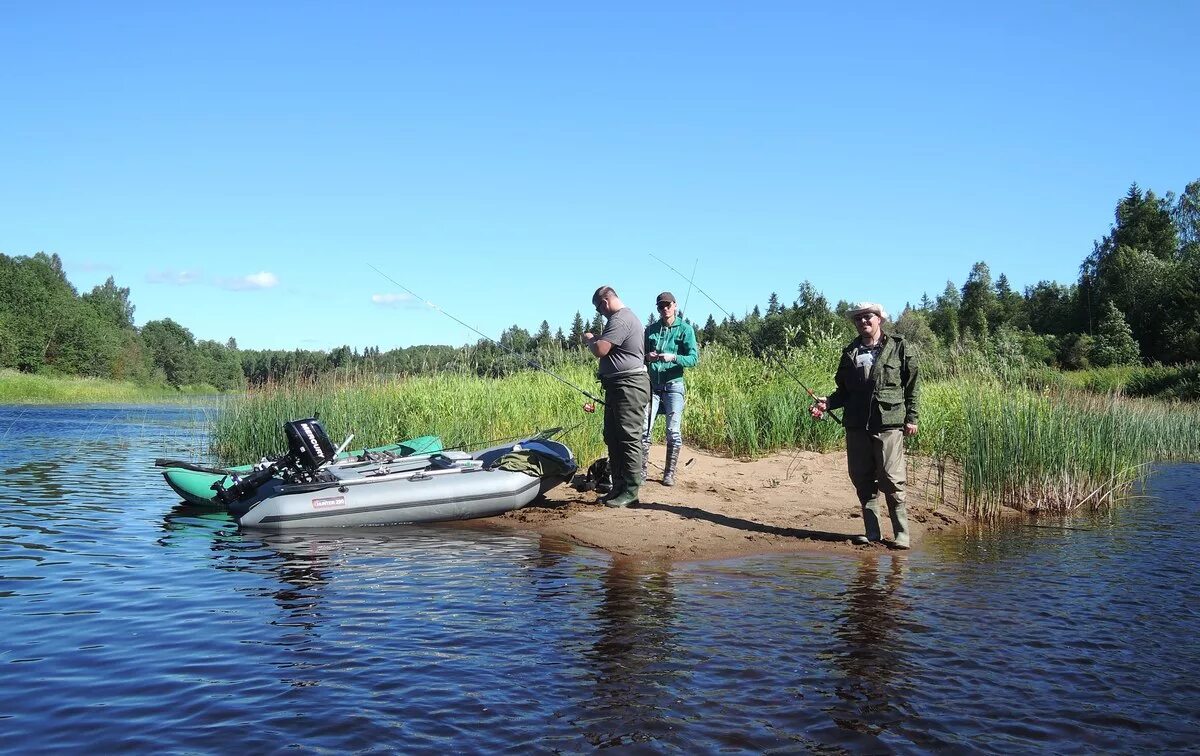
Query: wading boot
{"type": "Point", "coordinates": [628, 495]}
{"type": "Point", "coordinates": [870, 515]}
{"type": "Point", "coordinates": [899, 515]}
{"type": "Point", "coordinates": [668, 478]}
{"type": "Point", "coordinates": [645, 458]}
{"type": "Point", "coordinates": [618, 485]}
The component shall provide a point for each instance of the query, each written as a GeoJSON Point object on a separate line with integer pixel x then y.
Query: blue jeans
{"type": "Point", "coordinates": [667, 400]}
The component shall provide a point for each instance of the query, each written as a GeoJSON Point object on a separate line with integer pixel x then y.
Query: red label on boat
{"type": "Point", "coordinates": [336, 501]}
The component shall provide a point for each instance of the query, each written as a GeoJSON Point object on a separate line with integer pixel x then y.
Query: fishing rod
{"type": "Point", "coordinates": [531, 363]}
{"type": "Point", "coordinates": [786, 370]}
{"type": "Point", "coordinates": [689, 293]}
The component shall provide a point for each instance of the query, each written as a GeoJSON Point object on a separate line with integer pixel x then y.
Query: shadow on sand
{"type": "Point", "coordinates": [694, 513]}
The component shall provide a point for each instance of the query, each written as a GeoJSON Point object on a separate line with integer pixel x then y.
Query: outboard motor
{"type": "Point", "coordinates": [309, 446]}
{"type": "Point", "coordinates": [309, 449]}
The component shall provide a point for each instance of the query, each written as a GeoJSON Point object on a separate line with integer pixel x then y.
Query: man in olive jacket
{"type": "Point", "coordinates": [878, 392]}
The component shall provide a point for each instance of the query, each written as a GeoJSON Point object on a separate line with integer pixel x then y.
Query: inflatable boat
{"type": "Point", "coordinates": [197, 484]}
{"type": "Point", "coordinates": [305, 490]}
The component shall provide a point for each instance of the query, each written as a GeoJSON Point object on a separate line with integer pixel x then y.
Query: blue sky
{"type": "Point", "coordinates": [239, 166]}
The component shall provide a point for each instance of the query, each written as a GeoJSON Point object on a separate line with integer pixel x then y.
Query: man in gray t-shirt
{"type": "Point", "coordinates": [621, 349]}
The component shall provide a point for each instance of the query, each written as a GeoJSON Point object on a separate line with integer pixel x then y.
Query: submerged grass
{"type": "Point", "coordinates": [1053, 449]}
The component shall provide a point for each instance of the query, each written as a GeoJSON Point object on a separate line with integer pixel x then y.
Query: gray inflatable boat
{"type": "Point", "coordinates": [303, 491]}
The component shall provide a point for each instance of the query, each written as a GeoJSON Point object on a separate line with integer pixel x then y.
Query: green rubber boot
{"type": "Point", "coordinates": [870, 515]}
{"type": "Point", "coordinates": [628, 495]}
{"type": "Point", "coordinates": [899, 515]}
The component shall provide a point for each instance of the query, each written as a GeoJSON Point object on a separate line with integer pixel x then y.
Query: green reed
{"type": "Point", "coordinates": [1057, 452]}
{"type": "Point", "coordinates": [464, 410]}
{"type": "Point", "coordinates": [986, 442]}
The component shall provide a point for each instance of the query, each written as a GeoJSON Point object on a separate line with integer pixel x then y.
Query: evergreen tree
{"type": "Point", "coordinates": [1010, 307]}
{"type": "Point", "coordinates": [542, 339]}
{"type": "Point", "coordinates": [516, 338]}
{"type": "Point", "coordinates": [1136, 266]}
{"type": "Point", "coordinates": [1113, 343]}
{"type": "Point", "coordinates": [1186, 216]}
{"type": "Point", "coordinates": [944, 320]}
{"type": "Point", "coordinates": [577, 330]}
{"type": "Point", "coordinates": [1052, 308]}
{"type": "Point", "coordinates": [978, 301]}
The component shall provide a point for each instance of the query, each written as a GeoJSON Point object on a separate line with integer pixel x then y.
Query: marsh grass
{"type": "Point", "coordinates": [24, 388]}
{"type": "Point", "coordinates": [1054, 451]}
{"type": "Point", "coordinates": [988, 442]}
{"type": "Point", "coordinates": [464, 410]}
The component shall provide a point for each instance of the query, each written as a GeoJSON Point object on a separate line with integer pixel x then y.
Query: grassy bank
{"type": "Point", "coordinates": [1051, 449]}
{"type": "Point", "coordinates": [24, 388]}
{"type": "Point", "coordinates": [1174, 382]}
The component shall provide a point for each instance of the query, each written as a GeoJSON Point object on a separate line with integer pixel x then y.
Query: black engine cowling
{"type": "Point", "coordinates": [309, 446]}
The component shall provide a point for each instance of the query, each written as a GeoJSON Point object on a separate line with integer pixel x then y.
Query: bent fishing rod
{"type": "Point", "coordinates": [531, 363]}
{"type": "Point", "coordinates": [786, 370]}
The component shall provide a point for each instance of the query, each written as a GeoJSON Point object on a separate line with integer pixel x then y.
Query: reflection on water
{"type": "Point", "coordinates": [631, 656]}
{"type": "Point", "coordinates": [871, 656]}
{"type": "Point", "coordinates": [134, 622]}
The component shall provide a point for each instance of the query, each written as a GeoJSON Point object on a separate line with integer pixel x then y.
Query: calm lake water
{"type": "Point", "coordinates": [134, 623]}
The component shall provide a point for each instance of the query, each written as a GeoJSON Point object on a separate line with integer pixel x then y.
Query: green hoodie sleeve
{"type": "Point", "coordinates": [689, 352]}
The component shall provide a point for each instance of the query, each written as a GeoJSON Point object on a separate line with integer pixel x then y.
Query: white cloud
{"type": "Point", "coordinates": [260, 280]}
{"type": "Point", "coordinates": [392, 300]}
{"type": "Point", "coordinates": [173, 277]}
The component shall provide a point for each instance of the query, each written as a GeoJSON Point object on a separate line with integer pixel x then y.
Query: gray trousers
{"type": "Point", "coordinates": [625, 401]}
{"type": "Point", "coordinates": [876, 463]}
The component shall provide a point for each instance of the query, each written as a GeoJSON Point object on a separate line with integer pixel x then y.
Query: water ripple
{"type": "Point", "coordinates": [135, 622]}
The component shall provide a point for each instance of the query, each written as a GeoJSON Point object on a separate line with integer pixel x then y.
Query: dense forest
{"type": "Point", "coordinates": [1137, 300]}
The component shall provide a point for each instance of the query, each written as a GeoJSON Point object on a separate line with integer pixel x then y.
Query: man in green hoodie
{"type": "Point", "coordinates": [878, 391]}
{"type": "Point", "coordinates": [670, 347]}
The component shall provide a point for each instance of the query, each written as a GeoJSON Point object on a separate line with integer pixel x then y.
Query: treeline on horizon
{"type": "Point", "coordinates": [1136, 301]}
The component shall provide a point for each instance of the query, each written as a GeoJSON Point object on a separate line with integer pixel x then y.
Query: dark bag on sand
{"type": "Point", "coordinates": [598, 477]}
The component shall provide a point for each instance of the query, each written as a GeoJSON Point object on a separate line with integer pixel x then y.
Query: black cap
{"type": "Point", "coordinates": [666, 296]}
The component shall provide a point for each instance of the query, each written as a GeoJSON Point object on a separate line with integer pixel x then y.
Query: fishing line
{"type": "Point", "coordinates": [689, 291]}
{"type": "Point", "coordinates": [785, 368]}
{"type": "Point", "coordinates": [510, 350]}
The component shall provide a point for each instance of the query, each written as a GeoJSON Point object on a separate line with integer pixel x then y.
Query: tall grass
{"type": "Point", "coordinates": [1169, 382]}
{"type": "Point", "coordinates": [24, 388]}
{"type": "Point", "coordinates": [1060, 452]}
{"type": "Point", "coordinates": [464, 410]}
{"type": "Point", "coordinates": [1008, 445]}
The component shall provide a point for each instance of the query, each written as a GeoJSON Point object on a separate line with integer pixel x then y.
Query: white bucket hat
{"type": "Point", "coordinates": [862, 307]}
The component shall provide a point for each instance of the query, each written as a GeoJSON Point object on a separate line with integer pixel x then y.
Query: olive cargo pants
{"type": "Point", "coordinates": [876, 463]}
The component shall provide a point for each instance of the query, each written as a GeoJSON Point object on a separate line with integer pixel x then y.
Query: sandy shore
{"type": "Point", "coordinates": [722, 507]}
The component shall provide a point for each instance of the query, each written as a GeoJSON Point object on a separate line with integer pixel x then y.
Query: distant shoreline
{"type": "Point", "coordinates": [18, 388]}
